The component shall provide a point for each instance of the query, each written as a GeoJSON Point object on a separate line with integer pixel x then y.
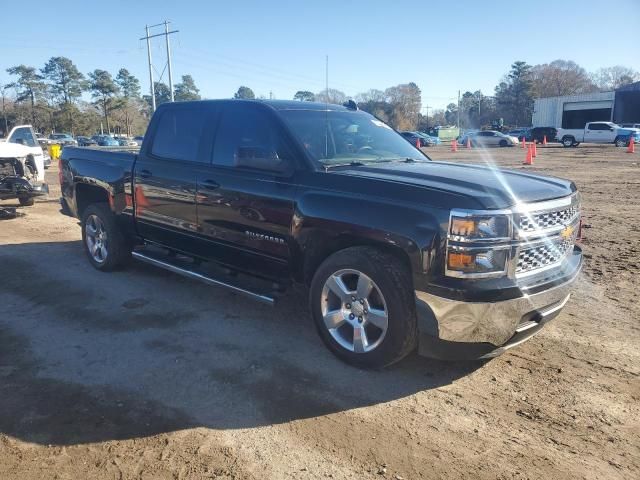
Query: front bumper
{"type": "Point", "coordinates": [16, 187]}
{"type": "Point", "coordinates": [455, 329]}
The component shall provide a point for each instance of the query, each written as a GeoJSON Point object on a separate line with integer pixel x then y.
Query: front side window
{"type": "Point", "coordinates": [247, 133]}
{"type": "Point", "coordinates": [178, 134]}
{"type": "Point", "coordinates": [338, 137]}
{"type": "Point", "coordinates": [24, 136]}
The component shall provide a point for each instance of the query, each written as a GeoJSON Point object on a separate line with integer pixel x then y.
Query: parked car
{"type": "Point", "coordinates": [105, 141]}
{"type": "Point", "coordinates": [630, 125]}
{"type": "Point", "coordinates": [489, 138]}
{"type": "Point", "coordinates": [519, 132]}
{"type": "Point", "coordinates": [43, 140]}
{"type": "Point", "coordinates": [86, 141]}
{"type": "Point", "coordinates": [397, 251]}
{"type": "Point", "coordinates": [126, 142]}
{"type": "Point", "coordinates": [538, 134]}
{"type": "Point", "coordinates": [63, 139]}
{"type": "Point", "coordinates": [138, 139]}
{"type": "Point", "coordinates": [597, 132]}
{"type": "Point", "coordinates": [22, 166]}
{"type": "Point", "coordinates": [430, 140]}
{"type": "Point", "coordinates": [46, 159]}
{"type": "Point", "coordinates": [414, 137]}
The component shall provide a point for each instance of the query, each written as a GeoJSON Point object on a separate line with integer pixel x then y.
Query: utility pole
{"type": "Point", "coordinates": [326, 77]}
{"type": "Point", "coordinates": [166, 37]}
{"type": "Point", "coordinates": [148, 38]}
{"type": "Point", "coordinates": [458, 111]}
{"type": "Point", "coordinates": [427, 107]}
{"type": "Point", "coordinates": [153, 90]}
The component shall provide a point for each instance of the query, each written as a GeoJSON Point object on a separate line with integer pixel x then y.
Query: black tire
{"type": "Point", "coordinates": [27, 201]}
{"type": "Point", "coordinates": [620, 142]}
{"type": "Point", "coordinates": [393, 280]}
{"type": "Point", "coordinates": [568, 142]}
{"type": "Point", "coordinates": [118, 248]}
{"type": "Point", "coordinates": [504, 143]}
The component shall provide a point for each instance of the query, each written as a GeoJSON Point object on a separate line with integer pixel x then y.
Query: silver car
{"type": "Point", "coordinates": [491, 138]}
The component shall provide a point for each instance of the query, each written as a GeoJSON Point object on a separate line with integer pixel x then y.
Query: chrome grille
{"type": "Point", "coordinates": [547, 220]}
{"type": "Point", "coordinates": [546, 254]}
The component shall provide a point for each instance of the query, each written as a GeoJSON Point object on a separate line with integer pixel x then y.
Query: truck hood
{"type": "Point", "coordinates": [13, 150]}
{"type": "Point", "coordinates": [491, 187]}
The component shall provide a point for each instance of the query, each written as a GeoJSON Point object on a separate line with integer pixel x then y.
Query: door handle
{"type": "Point", "coordinates": [145, 174]}
{"type": "Point", "coordinates": [210, 184]}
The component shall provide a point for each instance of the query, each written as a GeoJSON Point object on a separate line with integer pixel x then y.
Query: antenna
{"type": "Point", "coordinates": [326, 101]}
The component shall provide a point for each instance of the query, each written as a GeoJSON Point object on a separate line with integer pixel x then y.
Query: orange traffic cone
{"type": "Point", "coordinates": [468, 142]}
{"type": "Point", "coordinates": [454, 146]}
{"type": "Point", "coordinates": [632, 145]}
{"type": "Point", "coordinates": [528, 159]}
{"type": "Point", "coordinates": [524, 142]}
{"type": "Point", "coordinates": [418, 143]}
{"type": "Point", "coordinates": [534, 149]}
{"type": "Point", "coordinates": [544, 140]}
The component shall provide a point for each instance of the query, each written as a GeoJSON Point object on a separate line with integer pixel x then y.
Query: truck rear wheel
{"type": "Point", "coordinates": [104, 243]}
{"type": "Point", "coordinates": [363, 306]}
{"type": "Point", "coordinates": [568, 142]}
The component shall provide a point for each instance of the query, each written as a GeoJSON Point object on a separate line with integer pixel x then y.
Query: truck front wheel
{"type": "Point", "coordinates": [363, 306]}
{"type": "Point", "coordinates": [104, 243]}
{"type": "Point", "coordinates": [620, 142]}
{"type": "Point", "coordinates": [27, 201]}
{"type": "Point", "coordinates": [568, 142]}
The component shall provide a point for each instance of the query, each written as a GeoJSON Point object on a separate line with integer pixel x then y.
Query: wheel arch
{"type": "Point", "coordinates": [322, 246]}
{"type": "Point", "coordinates": [88, 194]}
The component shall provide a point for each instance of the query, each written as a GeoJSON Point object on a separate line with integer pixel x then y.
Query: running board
{"type": "Point", "coordinates": [190, 273]}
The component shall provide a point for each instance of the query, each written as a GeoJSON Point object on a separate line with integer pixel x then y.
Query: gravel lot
{"type": "Point", "coordinates": [143, 374]}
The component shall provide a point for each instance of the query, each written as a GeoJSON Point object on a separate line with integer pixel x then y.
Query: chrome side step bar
{"type": "Point", "coordinates": [201, 277]}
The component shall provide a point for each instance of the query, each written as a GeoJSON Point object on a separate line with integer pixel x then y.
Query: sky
{"type": "Point", "coordinates": [279, 47]}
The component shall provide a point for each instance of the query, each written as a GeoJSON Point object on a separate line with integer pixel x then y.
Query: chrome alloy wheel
{"type": "Point", "coordinates": [96, 238]}
{"type": "Point", "coordinates": [354, 311]}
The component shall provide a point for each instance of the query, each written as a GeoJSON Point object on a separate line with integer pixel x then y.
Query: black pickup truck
{"type": "Point", "coordinates": [398, 252]}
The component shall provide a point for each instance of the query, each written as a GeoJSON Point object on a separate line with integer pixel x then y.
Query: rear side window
{"type": "Point", "coordinates": [178, 134]}
{"type": "Point", "coordinates": [247, 130]}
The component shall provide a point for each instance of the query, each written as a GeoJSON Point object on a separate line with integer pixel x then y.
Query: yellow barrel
{"type": "Point", "coordinates": [54, 151]}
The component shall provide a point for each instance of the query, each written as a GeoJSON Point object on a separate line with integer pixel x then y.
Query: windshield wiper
{"type": "Point", "coordinates": [349, 164]}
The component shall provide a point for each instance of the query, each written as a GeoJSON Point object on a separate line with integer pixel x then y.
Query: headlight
{"type": "Point", "coordinates": [466, 228]}
{"type": "Point", "coordinates": [478, 244]}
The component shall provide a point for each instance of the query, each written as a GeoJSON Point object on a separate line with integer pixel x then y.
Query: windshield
{"type": "Point", "coordinates": [339, 137]}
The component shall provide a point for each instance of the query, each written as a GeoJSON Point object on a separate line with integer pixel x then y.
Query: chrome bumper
{"type": "Point", "coordinates": [494, 322]}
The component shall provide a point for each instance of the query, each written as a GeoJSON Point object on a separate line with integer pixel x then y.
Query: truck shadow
{"type": "Point", "coordinates": [90, 357]}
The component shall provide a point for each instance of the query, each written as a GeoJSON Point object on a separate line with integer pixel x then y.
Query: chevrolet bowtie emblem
{"type": "Point", "coordinates": [567, 232]}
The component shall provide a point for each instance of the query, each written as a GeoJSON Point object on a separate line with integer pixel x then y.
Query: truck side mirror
{"type": "Point", "coordinates": [260, 158]}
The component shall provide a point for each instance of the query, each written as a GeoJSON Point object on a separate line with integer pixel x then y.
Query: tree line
{"type": "Point", "coordinates": [512, 101]}
{"type": "Point", "coordinates": [50, 98]}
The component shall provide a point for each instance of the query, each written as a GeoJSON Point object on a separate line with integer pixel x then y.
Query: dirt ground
{"type": "Point", "coordinates": [143, 374]}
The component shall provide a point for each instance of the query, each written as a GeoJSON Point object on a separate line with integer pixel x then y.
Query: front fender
{"type": "Point", "coordinates": [325, 219]}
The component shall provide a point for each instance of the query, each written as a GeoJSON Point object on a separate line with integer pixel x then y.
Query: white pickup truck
{"type": "Point", "coordinates": [598, 132]}
{"type": "Point", "coordinates": [22, 164]}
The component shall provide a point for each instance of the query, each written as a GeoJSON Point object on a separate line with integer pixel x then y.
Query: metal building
{"type": "Point", "coordinates": [627, 104]}
{"type": "Point", "coordinates": [573, 111]}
